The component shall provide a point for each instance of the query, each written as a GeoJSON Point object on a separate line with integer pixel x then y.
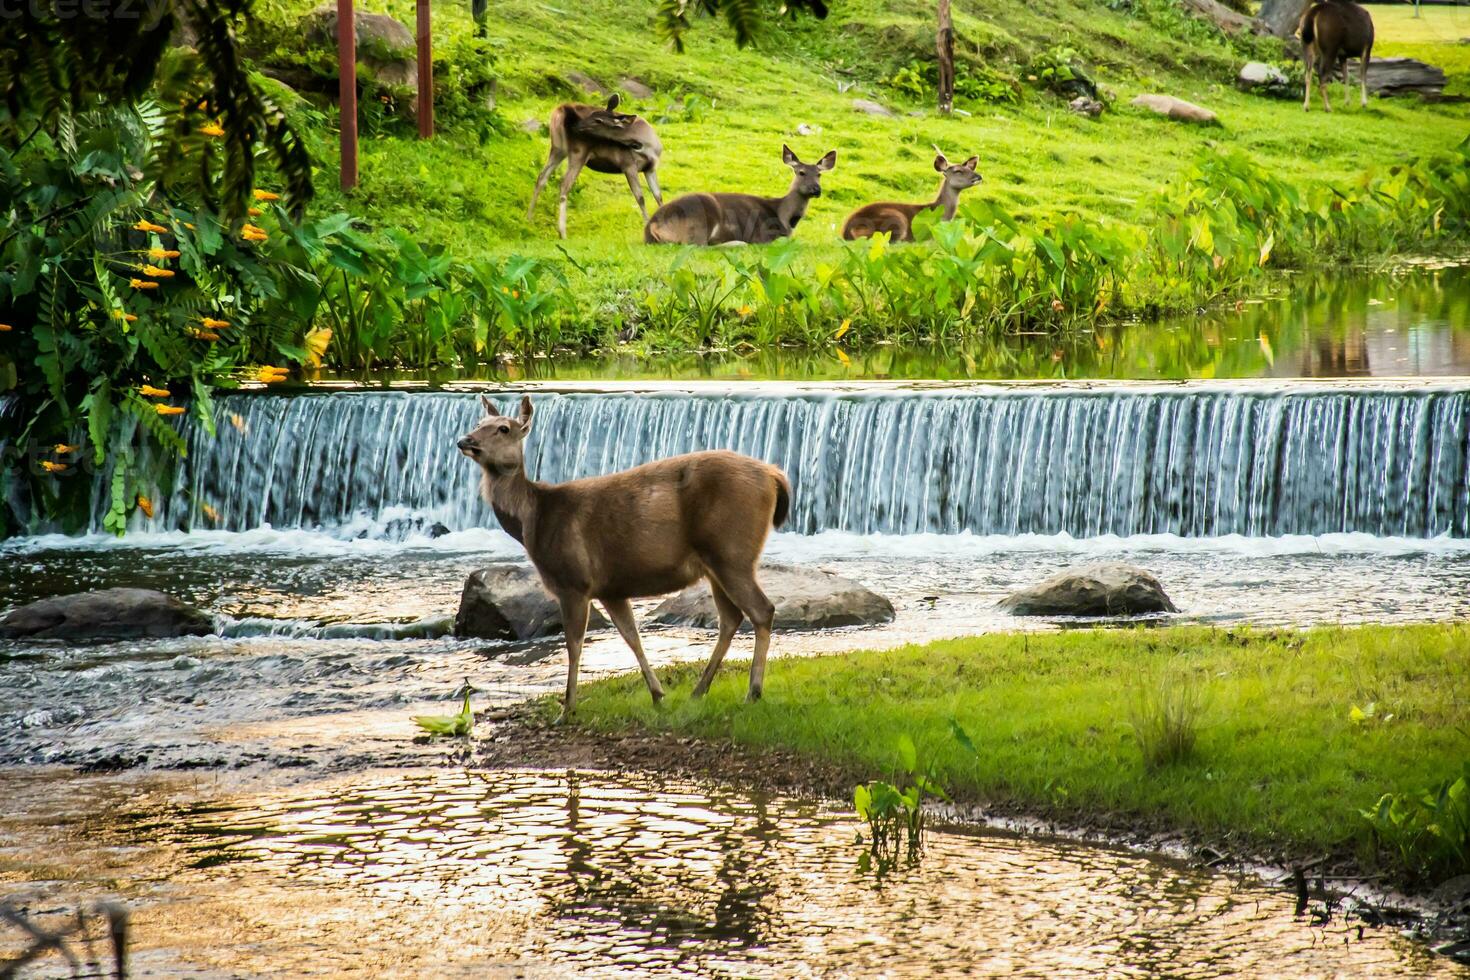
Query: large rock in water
{"type": "Point", "coordinates": [104, 616]}
{"type": "Point", "coordinates": [385, 47]}
{"type": "Point", "coordinates": [507, 602]}
{"type": "Point", "coordinates": [1102, 589]}
{"type": "Point", "coordinates": [805, 599]}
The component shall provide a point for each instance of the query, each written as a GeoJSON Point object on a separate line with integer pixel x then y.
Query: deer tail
{"type": "Point", "coordinates": [783, 500]}
{"type": "Point", "coordinates": [1307, 25]}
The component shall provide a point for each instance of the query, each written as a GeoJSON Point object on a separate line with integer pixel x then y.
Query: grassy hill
{"type": "Point", "coordinates": [723, 113]}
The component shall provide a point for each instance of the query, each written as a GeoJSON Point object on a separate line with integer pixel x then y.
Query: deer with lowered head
{"type": "Point", "coordinates": [725, 219]}
{"type": "Point", "coordinates": [653, 529]}
{"type": "Point", "coordinates": [898, 219]}
{"type": "Point", "coordinates": [1331, 33]}
{"type": "Point", "coordinates": [607, 141]}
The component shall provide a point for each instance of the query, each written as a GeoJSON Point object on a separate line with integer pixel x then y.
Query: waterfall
{"type": "Point", "coordinates": [1188, 461]}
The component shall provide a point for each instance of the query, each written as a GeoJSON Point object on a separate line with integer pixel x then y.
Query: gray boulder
{"type": "Point", "coordinates": [1177, 109]}
{"type": "Point", "coordinates": [871, 108]}
{"type": "Point", "coordinates": [1394, 76]}
{"type": "Point", "coordinates": [104, 616]}
{"type": "Point", "coordinates": [1101, 589]}
{"type": "Point", "coordinates": [507, 602]}
{"type": "Point", "coordinates": [385, 47]}
{"type": "Point", "coordinates": [1257, 76]}
{"type": "Point", "coordinates": [805, 599]}
{"type": "Point", "coordinates": [1083, 106]}
{"type": "Point", "coordinates": [636, 88]}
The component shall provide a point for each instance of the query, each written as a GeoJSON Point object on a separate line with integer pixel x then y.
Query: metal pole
{"type": "Point", "coordinates": [426, 73]}
{"type": "Point", "coordinates": [347, 90]}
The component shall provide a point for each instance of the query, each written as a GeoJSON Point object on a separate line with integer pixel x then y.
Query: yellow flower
{"type": "Point", "coordinates": [188, 226]}
{"type": "Point", "coordinates": [51, 467]}
{"type": "Point", "coordinates": [61, 449]}
{"type": "Point", "coordinates": [145, 505]}
{"type": "Point", "coordinates": [5, 328]}
{"type": "Point", "coordinates": [745, 310]}
{"type": "Point", "coordinates": [846, 325]}
{"type": "Point", "coordinates": [124, 315]}
{"type": "Point", "coordinates": [169, 409]}
{"type": "Point", "coordinates": [254, 212]}
{"type": "Point", "coordinates": [148, 391]}
{"type": "Point", "coordinates": [253, 233]}
{"type": "Point", "coordinates": [210, 512]}
{"type": "Point", "coordinates": [204, 335]}
{"type": "Point", "coordinates": [145, 225]}
{"type": "Point", "coordinates": [1057, 306]}
{"type": "Point", "coordinates": [261, 195]}
{"type": "Point", "coordinates": [212, 129]}
{"type": "Point", "coordinates": [142, 284]}
{"type": "Point", "coordinates": [270, 375]}
{"type": "Point", "coordinates": [316, 345]}
{"type": "Point", "coordinates": [156, 272]}
{"type": "Point", "coordinates": [163, 253]}
{"type": "Point", "coordinates": [842, 356]}
{"type": "Point", "coordinates": [210, 323]}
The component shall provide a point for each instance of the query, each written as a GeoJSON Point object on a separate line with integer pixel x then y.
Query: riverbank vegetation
{"type": "Point", "coordinates": [1344, 742]}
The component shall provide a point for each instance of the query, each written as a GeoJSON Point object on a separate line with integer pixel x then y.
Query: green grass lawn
{"type": "Point", "coordinates": [1279, 761]}
{"type": "Point", "coordinates": [1035, 156]}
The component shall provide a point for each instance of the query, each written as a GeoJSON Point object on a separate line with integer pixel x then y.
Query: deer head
{"type": "Point", "coordinates": [496, 442]}
{"type": "Point", "coordinates": [958, 175]}
{"type": "Point", "coordinates": [808, 181]}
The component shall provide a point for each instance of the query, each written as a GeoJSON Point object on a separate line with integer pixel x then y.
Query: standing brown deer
{"type": "Point", "coordinates": [608, 141]}
{"type": "Point", "coordinates": [898, 219]}
{"type": "Point", "coordinates": [1332, 32]}
{"type": "Point", "coordinates": [723, 219]}
{"type": "Point", "coordinates": [654, 529]}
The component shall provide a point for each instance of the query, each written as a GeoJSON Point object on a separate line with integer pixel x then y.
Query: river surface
{"type": "Point", "coordinates": [260, 800]}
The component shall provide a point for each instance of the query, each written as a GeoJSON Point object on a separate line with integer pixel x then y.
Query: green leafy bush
{"type": "Point", "coordinates": [1428, 832]}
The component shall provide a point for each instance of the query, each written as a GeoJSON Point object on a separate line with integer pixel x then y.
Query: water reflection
{"type": "Point", "coordinates": [1411, 322]}
{"type": "Point", "coordinates": [637, 875]}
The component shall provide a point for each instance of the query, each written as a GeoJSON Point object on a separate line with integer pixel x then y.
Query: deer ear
{"type": "Point", "coordinates": [612, 103]}
{"type": "Point", "coordinates": [489, 405]}
{"type": "Point", "coordinates": [787, 157]}
{"type": "Point", "coordinates": [526, 413]}
{"type": "Point", "coordinates": [828, 162]}
{"type": "Point", "coordinates": [940, 162]}
{"type": "Point", "coordinates": [971, 163]}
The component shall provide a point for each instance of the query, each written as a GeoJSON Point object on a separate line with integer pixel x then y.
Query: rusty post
{"type": "Point", "coordinates": [426, 73]}
{"type": "Point", "coordinates": [347, 90]}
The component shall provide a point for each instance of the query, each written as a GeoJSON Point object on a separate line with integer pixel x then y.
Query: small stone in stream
{"type": "Point", "coordinates": [104, 616]}
{"type": "Point", "coordinates": [805, 599]}
{"type": "Point", "coordinates": [1099, 589]}
{"type": "Point", "coordinates": [506, 601]}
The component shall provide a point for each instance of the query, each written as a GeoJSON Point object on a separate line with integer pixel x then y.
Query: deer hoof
{"type": "Point", "coordinates": [753, 695]}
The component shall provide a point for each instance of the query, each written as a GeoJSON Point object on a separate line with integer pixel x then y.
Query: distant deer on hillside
{"type": "Point", "coordinates": [656, 528]}
{"type": "Point", "coordinates": [607, 141]}
{"type": "Point", "coordinates": [722, 219]}
{"type": "Point", "coordinates": [898, 219]}
{"type": "Point", "coordinates": [1332, 32]}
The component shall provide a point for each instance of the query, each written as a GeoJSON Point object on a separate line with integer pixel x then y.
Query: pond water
{"type": "Point", "coordinates": [537, 874]}
{"type": "Point", "coordinates": [259, 798]}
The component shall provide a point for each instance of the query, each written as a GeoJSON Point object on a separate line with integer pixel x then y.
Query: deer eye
{"type": "Point", "coordinates": [505, 428]}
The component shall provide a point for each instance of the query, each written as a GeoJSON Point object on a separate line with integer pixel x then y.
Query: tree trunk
{"type": "Point", "coordinates": [944, 43]}
{"type": "Point", "coordinates": [1282, 16]}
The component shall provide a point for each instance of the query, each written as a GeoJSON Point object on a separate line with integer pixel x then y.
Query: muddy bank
{"type": "Point", "coordinates": [1335, 882]}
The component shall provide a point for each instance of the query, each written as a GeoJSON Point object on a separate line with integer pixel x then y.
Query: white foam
{"type": "Point", "coordinates": [268, 540]}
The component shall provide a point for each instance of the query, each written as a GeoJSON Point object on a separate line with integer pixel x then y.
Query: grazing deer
{"type": "Point", "coordinates": [723, 219]}
{"type": "Point", "coordinates": [898, 219]}
{"type": "Point", "coordinates": [608, 141]}
{"type": "Point", "coordinates": [1332, 32]}
{"type": "Point", "coordinates": [653, 529]}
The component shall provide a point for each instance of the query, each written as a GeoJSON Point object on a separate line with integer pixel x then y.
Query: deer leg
{"type": "Point", "coordinates": [620, 611]}
{"type": "Point", "coordinates": [574, 168]}
{"type": "Point", "coordinates": [746, 594]}
{"type": "Point", "coordinates": [1347, 84]}
{"type": "Point", "coordinates": [1307, 75]}
{"type": "Point", "coordinates": [637, 190]}
{"type": "Point", "coordinates": [1324, 81]}
{"type": "Point", "coordinates": [652, 179]}
{"type": "Point", "coordinates": [574, 622]}
{"type": "Point", "coordinates": [552, 163]}
{"type": "Point", "coordinates": [1363, 80]}
{"type": "Point", "coordinates": [730, 619]}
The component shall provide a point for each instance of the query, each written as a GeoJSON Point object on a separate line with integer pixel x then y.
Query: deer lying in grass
{"type": "Point", "coordinates": [654, 529]}
{"type": "Point", "coordinates": [608, 141]}
{"type": "Point", "coordinates": [1332, 32]}
{"type": "Point", "coordinates": [724, 219]}
{"type": "Point", "coordinates": [898, 219]}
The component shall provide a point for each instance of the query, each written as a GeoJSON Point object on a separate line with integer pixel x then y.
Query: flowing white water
{"type": "Point", "coordinates": [1187, 462]}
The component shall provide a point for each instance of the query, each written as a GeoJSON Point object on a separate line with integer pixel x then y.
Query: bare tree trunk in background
{"type": "Point", "coordinates": [944, 42]}
{"type": "Point", "coordinates": [1282, 16]}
